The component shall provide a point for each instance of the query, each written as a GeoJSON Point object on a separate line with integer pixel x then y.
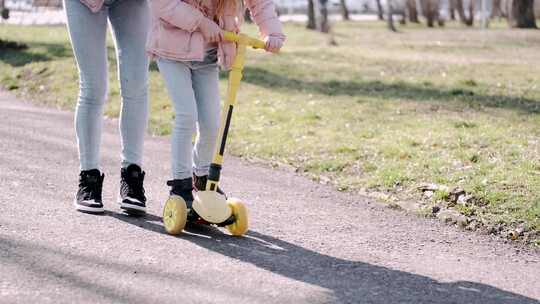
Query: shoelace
{"type": "Point", "coordinates": [135, 185]}
{"type": "Point", "coordinates": [91, 187]}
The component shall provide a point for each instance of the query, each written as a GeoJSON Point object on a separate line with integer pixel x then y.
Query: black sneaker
{"type": "Point", "coordinates": [199, 184]}
{"type": "Point", "coordinates": [89, 194]}
{"type": "Point", "coordinates": [132, 198]}
{"type": "Point", "coordinates": [184, 189]}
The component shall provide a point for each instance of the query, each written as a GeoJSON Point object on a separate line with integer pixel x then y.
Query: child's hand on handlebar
{"type": "Point", "coordinates": [273, 44]}
{"type": "Point", "coordinates": [211, 31]}
{"type": "Point", "coordinates": [229, 53]}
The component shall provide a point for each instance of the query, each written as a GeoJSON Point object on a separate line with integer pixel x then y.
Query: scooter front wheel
{"type": "Point", "coordinates": [239, 211]}
{"type": "Point", "coordinates": [174, 215]}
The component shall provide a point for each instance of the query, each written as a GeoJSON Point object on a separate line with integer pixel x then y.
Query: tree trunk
{"type": "Point", "coordinates": [344, 10]}
{"type": "Point", "coordinates": [522, 14]}
{"type": "Point", "coordinates": [461, 12]}
{"type": "Point", "coordinates": [323, 13]}
{"type": "Point", "coordinates": [496, 10]}
{"type": "Point", "coordinates": [471, 12]}
{"type": "Point", "coordinates": [413, 11]}
{"type": "Point", "coordinates": [389, 18]}
{"type": "Point", "coordinates": [437, 13]}
{"type": "Point", "coordinates": [4, 12]}
{"type": "Point", "coordinates": [427, 9]}
{"type": "Point", "coordinates": [430, 9]}
{"type": "Point", "coordinates": [379, 10]}
{"type": "Point", "coordinates": [311, 24]}
{"type": "Point", "coordinates": [452, 9]}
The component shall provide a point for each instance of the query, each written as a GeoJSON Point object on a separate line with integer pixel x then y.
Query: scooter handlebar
{"type": "Point", "coordinates": [244, 39]}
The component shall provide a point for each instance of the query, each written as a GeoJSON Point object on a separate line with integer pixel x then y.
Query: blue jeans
{"type": "Point", "coordinates": [194, 90]}
{"type": "Point", "coordinates": [129, 20]}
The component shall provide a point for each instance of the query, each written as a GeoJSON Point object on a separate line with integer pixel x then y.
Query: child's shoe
{"type": "Point", "coordinates": [132, 198]}
{"type": "Point", "coordinates": [184, 189]}
{"type": "Point", "coordinates": [88, 197]}
{"type": "Point", "coordinates": [199, 184]}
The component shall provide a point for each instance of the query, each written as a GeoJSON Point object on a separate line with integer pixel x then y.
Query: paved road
{"type": "Point", "coordinates": [307, 244]}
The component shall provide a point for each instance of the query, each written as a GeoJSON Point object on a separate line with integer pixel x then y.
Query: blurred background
{"type": "Point", "coordinates": [519, 13]}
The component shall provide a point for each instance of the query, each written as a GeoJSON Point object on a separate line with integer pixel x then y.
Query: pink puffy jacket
{"type": "Point", "coordinates": [175, 23]}
{"type": "Point", "coordinates": [174, 33]}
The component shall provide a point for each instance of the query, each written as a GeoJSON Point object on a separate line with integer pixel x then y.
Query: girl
{"type": "Point", "coordinates": [186, 40]}
{"type": "Point", "coordinates": [87, 24]}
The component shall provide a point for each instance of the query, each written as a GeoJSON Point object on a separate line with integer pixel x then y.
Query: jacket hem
{"type": "Point", "coordinates": [156, 53]}
{"type": "Point", "coordinates": [93, 8]}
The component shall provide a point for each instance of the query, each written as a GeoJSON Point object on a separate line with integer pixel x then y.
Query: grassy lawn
{"type": "Point", "coordinates": [380, 112]}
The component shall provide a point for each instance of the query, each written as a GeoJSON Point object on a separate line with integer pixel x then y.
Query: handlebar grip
{"type": "Point", "coordinates": [242, 38]}
{"type": "Point", "coordinates": [230, 36]}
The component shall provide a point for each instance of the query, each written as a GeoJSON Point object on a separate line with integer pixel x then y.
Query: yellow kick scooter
{"type": "Point", "coordinates": [211, 206]}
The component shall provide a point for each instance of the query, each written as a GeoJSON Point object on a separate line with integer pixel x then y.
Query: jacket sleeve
{"type": "Point", "coordinates": [263, 12]}
{"type": "Point", "coordinates": [177, 13]}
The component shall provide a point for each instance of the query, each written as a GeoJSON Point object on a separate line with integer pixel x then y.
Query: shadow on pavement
{"type": "Point", "coordinates": [348, 281]}
{"type": "Point", "coordinates": [45, 263]}
{"type": "Point", "coordinates": [149, 221]}
{"type": "Point", "coordinates": [154, 223]}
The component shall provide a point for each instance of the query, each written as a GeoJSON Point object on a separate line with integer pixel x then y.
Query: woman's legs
{"type": "Point", "coordinates": [177, 76]}
{"type": "Point", "coordinates": [206, 87]}
{"type": "Point", "coordinates": [130, 24]}
{"type": "Point", "coordinates": [88, 32]}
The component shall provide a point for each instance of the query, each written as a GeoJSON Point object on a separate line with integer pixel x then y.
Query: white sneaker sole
{"type": "Point", "coordinates": [88, 208]}
{"type": "Point", "coordinates": [128, 206]}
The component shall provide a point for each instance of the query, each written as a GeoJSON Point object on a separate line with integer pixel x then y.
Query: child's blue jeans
{"type": "Point", "coordinates": [194, 90]}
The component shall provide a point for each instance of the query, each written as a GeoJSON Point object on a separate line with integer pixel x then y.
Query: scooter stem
{"type": "Point", "coordinates": [235, 76]}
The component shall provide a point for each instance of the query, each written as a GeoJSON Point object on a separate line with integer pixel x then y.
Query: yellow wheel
{"type": "Point", "coordinates": [174, 215]}
{"type": "Point", "coordinates": [240, 225]}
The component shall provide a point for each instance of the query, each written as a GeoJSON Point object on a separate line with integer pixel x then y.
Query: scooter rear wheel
{"type": "Point", "coordinates": [174, 215]}
{"type": "Point", "coordinates": [239, 211]}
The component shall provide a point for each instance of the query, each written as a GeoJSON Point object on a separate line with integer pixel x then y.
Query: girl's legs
{"type": "Point", "coordinates": [206, 87]}
{"type": "Point", "coordinates": [177, 76]}
{"type": "Point", "coordinates": [130, 23]}
{"type": "Point", "coordinates": [88, 32]}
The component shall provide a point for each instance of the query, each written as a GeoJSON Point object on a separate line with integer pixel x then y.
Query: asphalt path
{"type": "Point", "coordinates": [307, 243]}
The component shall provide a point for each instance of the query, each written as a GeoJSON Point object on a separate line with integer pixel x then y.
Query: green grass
{"type": "Point", "coordinates": [382, 111]}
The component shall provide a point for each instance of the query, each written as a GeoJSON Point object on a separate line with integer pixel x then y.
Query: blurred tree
{"type": "Point", "coordinates": [311, 16]}
{"type": "Point", "coordinates": [496, 10]}
{"type": "Point", "coordinates": [324, 26]}
{"type": "Point", "coordinates": [344, 10]}
{"type": "Point", "coordinates": [379, 10]}
{"type": "Point", "coordinates": [467, 20]}
{"type": "Point", "coordinates": [3, 10]}
{"type": "Point", "coordinates": [521, 14]}
{"type": "Point", "coordinates": [318, 15]}
{"type": "Point", "coordinates": [390, 13]}
{"type": "Point", "coordinates": [413, 11]}
{"type": "Point", "coordinates": [452, 9]}
{"type": "Point", "coordinates": [430, 8]}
